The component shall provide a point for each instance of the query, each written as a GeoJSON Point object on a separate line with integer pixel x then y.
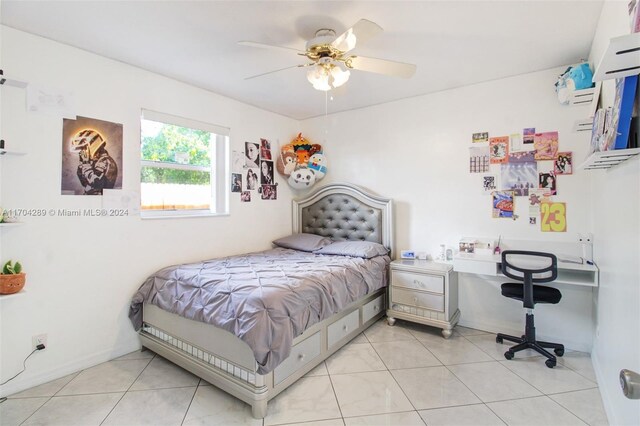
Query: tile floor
{"type": "Point", "coordinates": [402, 375]}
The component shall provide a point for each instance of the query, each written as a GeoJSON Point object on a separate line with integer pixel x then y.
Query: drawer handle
{"type": "Point", "coordinates": [415, 299]}
{"type": "Point", "coordinates": [376, 307]}
{"type": "Point", "coordinates": [418, 282]}
{"type": "Point", "coordinates": [300, 357]}
{"type": "Point", "coordinates": [345, 328]}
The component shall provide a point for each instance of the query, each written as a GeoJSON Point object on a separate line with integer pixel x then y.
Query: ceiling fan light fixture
{"type": "Point", "coordinates": [326, 76]}
{"type": "Point", "coordinates": [339, 75]}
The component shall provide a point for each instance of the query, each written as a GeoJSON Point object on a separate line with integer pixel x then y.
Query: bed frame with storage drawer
{"type": "Point", "coordinates": [338, 211]}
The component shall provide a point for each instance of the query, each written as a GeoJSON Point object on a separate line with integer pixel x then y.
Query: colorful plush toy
{"type": "Point", "coordinates": [315, 148]}
{"type": "Point", "coordinates": [303, 157]}
{"type": "Point", "coordinates": [574, 78]}
{"type": "Point", "coordinates": [302, 162]}
{"type": "Point", "coordinates": [302, 178]}
{"type": "Point", "coordinates": [318, 164]}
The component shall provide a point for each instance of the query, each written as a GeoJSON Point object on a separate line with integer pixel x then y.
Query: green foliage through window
{"type": "Point", "coordinates": [161, 142]}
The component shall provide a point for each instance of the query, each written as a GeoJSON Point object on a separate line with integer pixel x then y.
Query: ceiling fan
{"type": "Point", "coordinates": [330, 63]}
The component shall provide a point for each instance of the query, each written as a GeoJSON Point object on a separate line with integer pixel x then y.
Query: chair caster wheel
{"type": "Point", "coordinates": [558, 352]}
{"type": "Point", "coordinates": [498, 339]}
{"type": "Point", "coordinates": [508, 355]}
{"type": "Point", "coordinates": [550, 363]}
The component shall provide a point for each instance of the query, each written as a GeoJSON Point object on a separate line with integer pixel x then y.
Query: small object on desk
{"type": "Point", "coordinates": [567, 258]}
{"type": "Point", "coordinates": [497, 250]}
{"type": "Point", "coordinates": [408, 254]}
{"type": "Point", "coordinates": [449, 254]}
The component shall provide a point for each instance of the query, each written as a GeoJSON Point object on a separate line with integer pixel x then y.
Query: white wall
{"type": "Point", "coordinates": [616, 216]}
{"type": "Point", "coordinates": [81, 272]}
{"type": "Point", "coordinates": [416, 151]}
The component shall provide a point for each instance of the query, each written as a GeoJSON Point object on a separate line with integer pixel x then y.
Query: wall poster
{"type": "Point", "coordinates": [91, 156]}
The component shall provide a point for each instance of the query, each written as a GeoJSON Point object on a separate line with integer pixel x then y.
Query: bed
{"type": "Point", "coordinates": [225, 354]}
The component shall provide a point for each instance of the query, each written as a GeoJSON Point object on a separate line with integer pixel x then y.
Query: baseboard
{"type": "Point", "coordinates": [604, 391]}
{"type": "Point", "coordinates": [501, 328]}
{"type": "Point", "coordinates": [53, 373]}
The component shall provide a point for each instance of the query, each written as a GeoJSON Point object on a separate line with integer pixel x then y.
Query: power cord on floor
{"type": "Point", "coordinates": [24, 367]}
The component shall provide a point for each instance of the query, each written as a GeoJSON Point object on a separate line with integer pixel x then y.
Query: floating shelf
{"type": "Point", "coordinates": [9, 296]}
{"type": "Point", "coordinates": [8, 152]}
{"type": "Point", "coordinates": [8, 224]}
{"type": "Point", "coordinates": [608, 159]}
{"type": "Point", "coordinates": [582, 97]}
{"type": "Point", "coordinates": [583, 125]}
{"type": "Point", "coordinates": [621, 59]}
{"type": "Point", "coordinates": [6, 81]}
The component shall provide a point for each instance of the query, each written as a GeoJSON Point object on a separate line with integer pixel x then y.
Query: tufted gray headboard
{"type": "Point", "coordinates": [343, 211]}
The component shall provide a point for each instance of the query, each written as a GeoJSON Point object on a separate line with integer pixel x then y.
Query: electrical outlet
{"type": "Point", "coordinates": [40, 339]}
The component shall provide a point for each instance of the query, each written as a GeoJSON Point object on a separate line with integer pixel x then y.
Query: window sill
{"type": "Point", "coordinates": [175, 215]}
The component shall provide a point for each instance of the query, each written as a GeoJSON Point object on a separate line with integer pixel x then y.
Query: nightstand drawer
{"type": "Point", "coordinates": [432, 283]}
{"type": "Point", "coordinates": [421, 300]}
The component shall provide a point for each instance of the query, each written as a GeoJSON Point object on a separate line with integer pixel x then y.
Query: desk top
{"type": "Point", "coordinates": [496, 258]}
{"type": "Point", "coordinates": [568, 272]}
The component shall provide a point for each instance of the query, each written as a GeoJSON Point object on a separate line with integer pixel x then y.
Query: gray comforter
{"type": "Point", "coordinates": [265, 298]}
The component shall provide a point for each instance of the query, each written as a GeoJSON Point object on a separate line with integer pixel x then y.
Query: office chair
{"type": "Point", "coordinates": [530, 294]}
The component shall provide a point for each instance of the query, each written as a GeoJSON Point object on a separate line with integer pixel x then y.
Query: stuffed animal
{"type": "Point", "coordinates": [315, 148]}
{"type": "Point", "coordinates": [286, 163]}
{"type": "Point", "coordinates": [303, 157]}
{"type": "Point", "coordinates": [302, 178]}
{"type": "Point", "coordinates": [301, 142]}
{"type": "Point", "coordinates": [318, 163]}
{"type": "Point", "coordinates": [574, 78]}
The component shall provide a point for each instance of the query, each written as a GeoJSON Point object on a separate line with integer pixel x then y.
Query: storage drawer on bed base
{"type": "Point", "coordinates": [342, 327]}
{"type": "Point", "coordinates": [301, 354]}
{"type": "Point", "coordinates": [373, 308]}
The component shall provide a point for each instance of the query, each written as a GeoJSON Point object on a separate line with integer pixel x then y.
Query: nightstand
{"type": "Point", "coordinates": [424, 292]}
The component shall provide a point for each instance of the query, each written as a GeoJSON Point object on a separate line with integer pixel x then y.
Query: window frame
{"type": "Point", "coordinates": [219, 168]}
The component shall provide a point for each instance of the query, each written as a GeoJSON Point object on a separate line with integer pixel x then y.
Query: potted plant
{"type": "Point", "coordinates": [12, 278]}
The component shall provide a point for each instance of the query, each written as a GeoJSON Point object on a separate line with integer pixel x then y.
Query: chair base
{"type": "Point", "coordinates": [529, 341]}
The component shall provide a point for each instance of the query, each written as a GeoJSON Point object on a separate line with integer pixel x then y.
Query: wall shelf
{"type": "Point", "coordinates": [608, 159]}
{"type": "Point", "coordinates": [621, 59]}
{"type": "Point", "coordinates": [6, 81]}
{"type": "Point", "coordinates": [10, 296]}
{"type": "Point", "coordinates": [9, 152]}
{"type": "Point", "coordinates": [9, 224]}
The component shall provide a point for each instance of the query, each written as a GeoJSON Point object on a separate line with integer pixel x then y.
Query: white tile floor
{"type": "Point", "coordinates": [401, 375]}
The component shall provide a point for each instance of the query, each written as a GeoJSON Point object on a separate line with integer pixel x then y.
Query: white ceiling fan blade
{"type": "Point", "coordinates": [268, 46]}
{"type": "Point", "coordinates": [281, 69]}
{"type": "Point", "coordinates": [381, 66]}
{"type": "Point", "coordinates": [360, 33]}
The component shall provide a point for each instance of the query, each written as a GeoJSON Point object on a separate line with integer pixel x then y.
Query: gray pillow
{"type": "Point", "coordinates": [303, 242]}
{"type": "Point", "coordinates": [365, 249]}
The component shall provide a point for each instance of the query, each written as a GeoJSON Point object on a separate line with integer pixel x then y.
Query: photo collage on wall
{"type": "Point", "coordinates": [252, 172]}
{"type": "Point", "coordinates": [523, 164]}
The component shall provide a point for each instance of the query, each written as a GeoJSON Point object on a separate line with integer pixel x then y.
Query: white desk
{"type": "Point", "coordinates": [484, 308]}
{"type": "Point", "coordinates": [568, 273]}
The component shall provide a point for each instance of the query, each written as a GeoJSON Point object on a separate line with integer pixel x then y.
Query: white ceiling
{"type": "Point", "coordinates": [453, 43]}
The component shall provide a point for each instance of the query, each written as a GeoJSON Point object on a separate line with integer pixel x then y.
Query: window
{"type": "Point", "coordinates": [184, 166]}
